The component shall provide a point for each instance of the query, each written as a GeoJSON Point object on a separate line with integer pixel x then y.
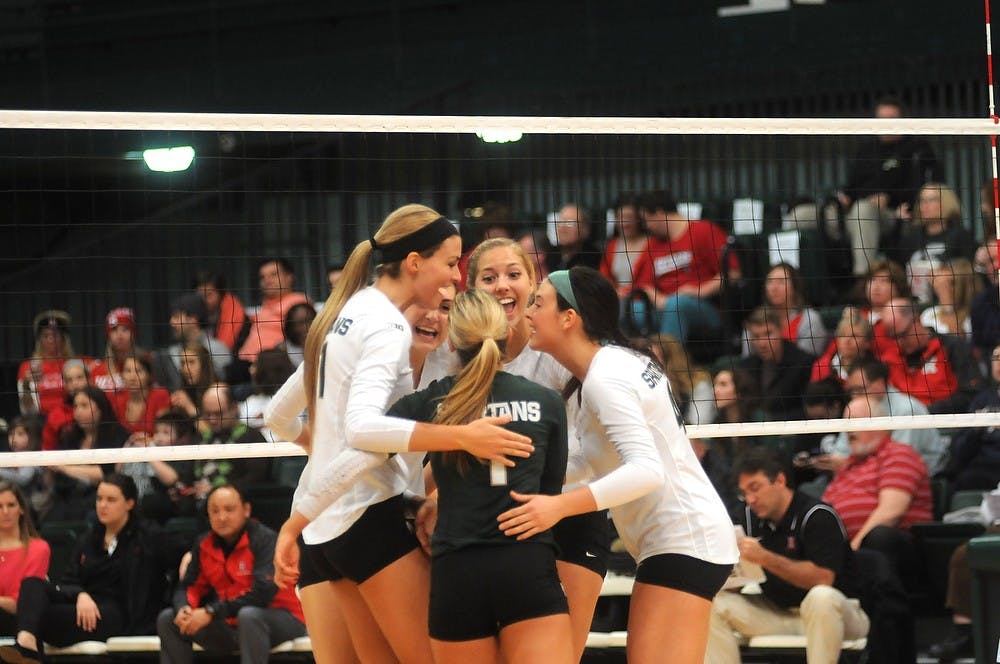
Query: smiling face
{"type": "Point", "coordinates": [430, 326]}
{"type": "Point", "coordinates": [545, 319]}
{"type": "Point", "coordinates": [436, 272]}
{"type": "Point", "coordinates": [503, 274]}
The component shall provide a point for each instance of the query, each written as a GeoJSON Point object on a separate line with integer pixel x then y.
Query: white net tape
{"type": "Point", "coordinates": [429, 124]}
{"type": "Point", "coordinates": [283, 449]}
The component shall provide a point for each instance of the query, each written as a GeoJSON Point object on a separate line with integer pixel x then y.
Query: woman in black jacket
{"type": "Point", "coordinates": [116, 583]}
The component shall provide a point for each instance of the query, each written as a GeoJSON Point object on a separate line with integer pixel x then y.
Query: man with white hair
{"type": "Point", "coordinates": [880, 491]}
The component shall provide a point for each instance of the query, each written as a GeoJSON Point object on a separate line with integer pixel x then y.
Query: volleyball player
{"type": "Point", "coordinates": [501, 267]}
{"type": "Point", "coordinates": [633, 443]}
{"type": "Point", "coordinates": [492, 597]}
{"type": "Point", "coordinates": [356, 364]}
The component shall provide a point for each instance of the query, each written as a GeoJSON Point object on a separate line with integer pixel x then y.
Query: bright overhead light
{"type": "Point", "coordinates": [499, 135]}
{"type": "Point", "coordinates": [168, 160]}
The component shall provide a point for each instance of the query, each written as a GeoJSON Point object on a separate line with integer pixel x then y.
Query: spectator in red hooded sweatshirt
{"type": "Point", "coordinates": [39, 378]}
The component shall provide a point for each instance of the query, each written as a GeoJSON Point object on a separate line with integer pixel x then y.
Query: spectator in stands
{"type": "Point", "coordinates": [955, 286]}
{"type": "Point", "coordinates": [159, 483]}
{"type": "Point", "coordinates": [297, 323]}
{"type": "Point", "coordinates": [225, 318]}
{"type": "Point", "coordinates": [870, 378]}
{"type": "Point", "coordinates": [974, 462]}
{"type": "Point", "coordinates": [886, 281]}
{"type": "Point", "coordinates": [333, 273]}
{"type": "Point", "coordinates": [824, 399]}
{"type": "Point", "coordinates": [736, 400]}
{"type": "Point", "coordinates": [94, 427]}
{"type": "Point", "coordinates": [187, 320]}
{"type": "Point", "coordinates": [221, 415]}
{"type": "Point", "coordinates": [812, 581]}
{"type": "Point", "coordinates": [938, 236]}
{"type": "Point", "coordinates": [114, 586]}
{"type": "Point", "coordinates": [140, 402]}
{"type": "Point", "coordinates": [24, 435]}
{"type": "Point", "coordinates": [984, 312]}
{"type": "Point", "coordinates": [39, 379]}
{"type": "Point", "coordinates": [574, 246]}
{"type": "Point", "coordinates": [536, 246]}
{"type": "Point", "coordinates": [785, 293]}
{"type": "Point", "coordinates": [75, 378]}
{"type": "Point", "coordinates": [122, 332]}
{"type": "Point", "coordinates": [885, 175]}
{"type": "Point", "coordinates": [939, 371]}
{"type": "Point", "coordinates": [881, 491]}
{"type": "Point", "coordinates": [690, 384]}
{"type": "Point", "coordinates": [174, 427]}
{"type": "Point", "coordinates": [780, 369]}
{"type": "Point", "coordinates": [681, 269]}
{"type": "Point", "coordinates": [22, 552]}
{"type": "Point", "coordinates": [621, 255]}
{"type": "Point", "coordinates": [197, 373]}
{"type": "Point", "coordinates": [852, 341]}
{"type": "Point", "coordinates": [230, 601]}
{"type": "Point", "coordinates": [269, 372]}
{"type": "Point", "coordinates": [277, 279]}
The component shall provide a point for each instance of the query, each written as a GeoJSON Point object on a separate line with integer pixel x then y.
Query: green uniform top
{"type": "Point", "coordinates": [469, 502]}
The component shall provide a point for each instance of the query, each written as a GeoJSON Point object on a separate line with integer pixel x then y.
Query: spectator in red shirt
{"type": "Point", "coordinates": [75, 378]}
{"type": "Point", "coordinates": [939, 371]}
{"type": "Point", "coordinates": [277, 278]}
{"type": "Point", "coordinates": [886, 281]}
{"type": "Point", "coordinates": [39, 378]}
{"type": "Point", "coordinates": [621, 255]}
{"type": "Point", "coordinates": [23, 553]}
{"type": "Point", "coordinates": [225, 319]}
{"type": "Point", "coordinates": [141, 402]}
{"type": "Point", "coordinates": [880, 491]}
{"type": "Point", "coordinates": [231, 601]}
{"type": "Point", "coordinates": [122, 332]}
{"type": "Point", "coordinates": [852, 341]}
{"type": "Point", "coordinates": [681, 269]}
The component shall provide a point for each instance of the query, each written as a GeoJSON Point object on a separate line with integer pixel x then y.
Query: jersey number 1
{"type": "Point", "coordinates": [498, 474]}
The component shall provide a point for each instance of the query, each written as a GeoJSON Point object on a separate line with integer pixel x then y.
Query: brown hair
{"type": "Point", "coordinates": [26, 530]}
{"type": "Point", "coordinates": [494, 243]}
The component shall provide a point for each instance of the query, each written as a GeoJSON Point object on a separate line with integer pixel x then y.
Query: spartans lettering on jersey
{"type": "Point", "coordinates": [519, 411]}
{"type": "Point", "coordinates": [342, 325]}
{"type": "Point", "coordinates": [651, 375]}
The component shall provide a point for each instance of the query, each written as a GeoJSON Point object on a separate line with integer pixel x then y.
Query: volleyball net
{"type": "Point", "coordinates": [108, 210]}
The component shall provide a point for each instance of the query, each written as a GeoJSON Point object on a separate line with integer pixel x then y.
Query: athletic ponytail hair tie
{"type": "Point", "coordinates": [560, 281]}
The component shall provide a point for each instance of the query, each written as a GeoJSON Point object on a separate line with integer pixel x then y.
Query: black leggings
{"type": "Point", "coordinates": [50, 615]}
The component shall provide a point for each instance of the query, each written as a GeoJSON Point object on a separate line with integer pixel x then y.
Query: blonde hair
{"type": "Point", "coordinates": [477, 327]}
{"type": "Point", "coordinates": [967, 285]}
{"type": "Point", "coordinates": [400, 223]}
{"type": "Point", "coordinates": [951, 208]}
{"type": "Point", "coordinates": [853, 324]}
{"type": "Point", "coordinates": [681, 371]}
{"type": "Point", "coordinates": [495, 243]}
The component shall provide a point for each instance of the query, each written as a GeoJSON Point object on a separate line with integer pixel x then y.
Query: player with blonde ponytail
{"type": "Point", "coordinates": [357, 364]}
{"type": "Point", "coordinates": [492, 598]}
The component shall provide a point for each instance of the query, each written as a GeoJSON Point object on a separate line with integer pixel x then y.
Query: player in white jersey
{"type": "Point", "coordinates": [500, 266]}
{"type": "Point", "coordinates": [633, 444]}
{"type": "Point", "coordinates": [429, 329]}
{"type": "Point", "coordinates": [356, 365]}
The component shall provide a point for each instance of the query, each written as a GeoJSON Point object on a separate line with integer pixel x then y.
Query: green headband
{"type": "Point", "coordinates": [560, 281]}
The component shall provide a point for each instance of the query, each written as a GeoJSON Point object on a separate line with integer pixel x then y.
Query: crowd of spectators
{"type": "Point", "coordinates": [922, 336]}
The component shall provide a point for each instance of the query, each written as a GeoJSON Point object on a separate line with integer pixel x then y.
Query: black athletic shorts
{"type": "Point", "coordinates": [684, 573]}
{"type": "Point", "coordinates": [479, 590]}
{"type": "Point", "coordinates": [313, 568]}
{"type": "Point", "coordinates": [375, 541]}
{"type": "Point", "coordinates": [585, 540]}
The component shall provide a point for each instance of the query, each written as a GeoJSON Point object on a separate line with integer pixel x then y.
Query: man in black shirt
{"type": "Point", "coordinates": [811, 573]}
{"type": "Point", "coordinates": [779, 368]}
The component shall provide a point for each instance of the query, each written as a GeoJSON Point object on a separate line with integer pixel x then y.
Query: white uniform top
{"type": "Point", "coordinates": [363, 369]}
{"type": "Point", "coordinates": [632, 440]}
